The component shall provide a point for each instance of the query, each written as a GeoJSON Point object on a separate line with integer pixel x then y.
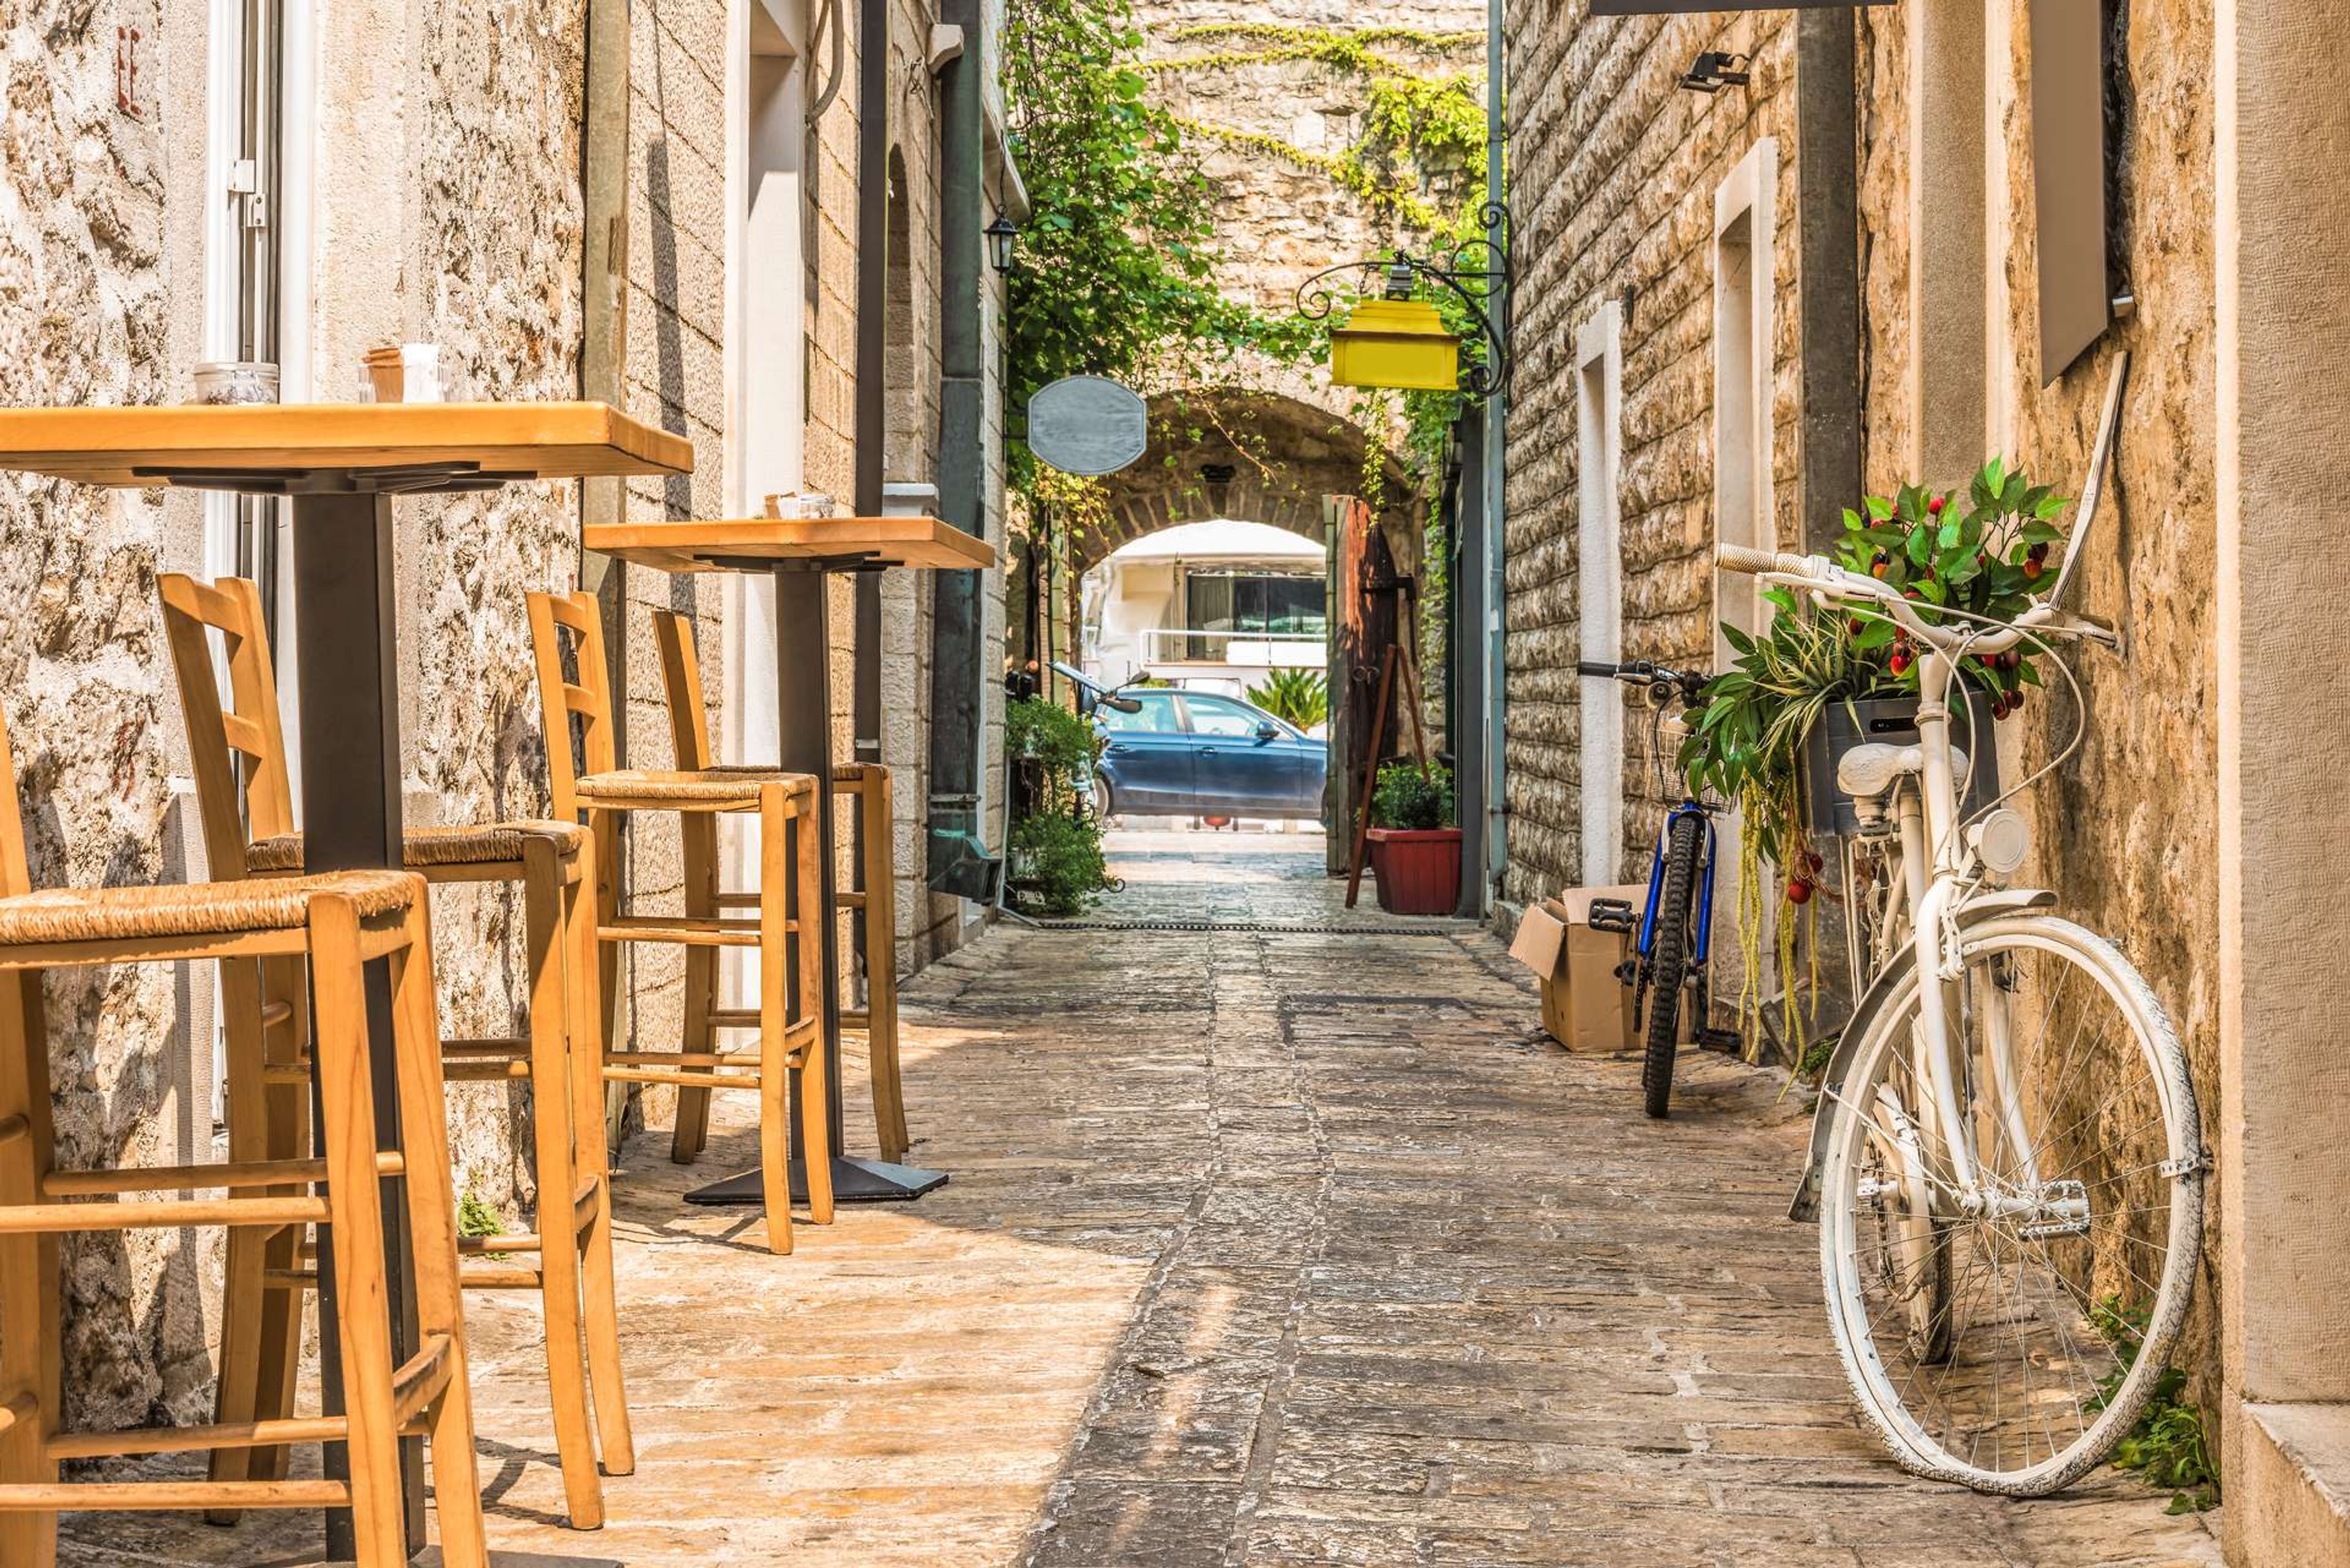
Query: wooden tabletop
{"type": "Point", "coordinates": [287, 443]}
{"type": "Point", "coordinates": [747, 543]}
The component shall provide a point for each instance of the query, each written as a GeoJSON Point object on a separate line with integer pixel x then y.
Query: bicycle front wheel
{"type": "Point", "coordinates": [2007, 1337]}
{"type": "Point", "coordinates": [1669, 956]}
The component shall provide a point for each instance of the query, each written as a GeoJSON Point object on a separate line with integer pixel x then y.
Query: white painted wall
{"type": "Point", "coordinates": [1599, 604]}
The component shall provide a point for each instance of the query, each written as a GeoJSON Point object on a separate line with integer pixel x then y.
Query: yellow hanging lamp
{"type": "Point", "coordinates": [1402, 342]}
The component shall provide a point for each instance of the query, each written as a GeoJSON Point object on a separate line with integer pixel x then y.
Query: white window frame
{"type": "Point", "coordinates": [1599, 584]}
{"type": "Point", "coordinates": [1745, 270]}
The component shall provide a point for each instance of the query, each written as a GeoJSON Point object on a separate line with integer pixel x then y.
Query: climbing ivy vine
{"type": "Point", "coordinates": [1116, 274]}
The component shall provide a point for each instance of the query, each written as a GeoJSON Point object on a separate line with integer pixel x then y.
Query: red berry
{"type": "Point", "coordinates": [2011, 660]}
{"type": "Point", "coordinates": [1799, 891]}
{"type": "Point", "coordinates": [2015, 701]}
{"type": "Point", "coordinates": [1900, 662]}
{"type": "Point", "coordinates": [1854, 624]}
{"type": "Point", "coordinates": [1811, 859]}
{"type": "Point", "coordinates": [1934, 507]}
{"type": "Point", "coordinates": [1909, 593]}
{"type": "Point", "coordinates": [2032, 568]}
{"type": "Point", "coordinates": [2039, 551]}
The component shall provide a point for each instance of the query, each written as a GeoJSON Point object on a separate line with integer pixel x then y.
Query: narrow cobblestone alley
{"type": "Point", "coordinates": [1262, 1247]}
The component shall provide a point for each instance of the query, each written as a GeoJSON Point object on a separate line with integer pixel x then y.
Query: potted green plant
{"type": "Point", "coordinates": [1415, 849]}
{"type": "Point", "coordinates": [1812, 680]}
{"type": "Point", "coordinates": [1054, 859]}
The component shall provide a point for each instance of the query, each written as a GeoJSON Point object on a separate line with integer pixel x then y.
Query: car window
{"type": "Point", "coordinates": [1156, 718]}
{"type": "Point", "coordinates": [1221, 716]}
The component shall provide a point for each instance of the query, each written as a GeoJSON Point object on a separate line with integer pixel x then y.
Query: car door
{"type": "Point", "coordinates": [1147, 759]}
{"type": "Point", "coordinates": [1238, 770]}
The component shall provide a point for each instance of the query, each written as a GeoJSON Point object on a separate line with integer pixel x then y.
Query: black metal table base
{"type": "Point", "coordinates": [853, 1181]}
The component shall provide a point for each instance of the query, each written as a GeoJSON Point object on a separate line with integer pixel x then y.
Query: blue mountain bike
{"type": "Point", "coordinates": [1675, 927]}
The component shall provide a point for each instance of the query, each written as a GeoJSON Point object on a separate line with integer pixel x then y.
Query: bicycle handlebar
{"type": "Point", "coordinates": [1824, 577]}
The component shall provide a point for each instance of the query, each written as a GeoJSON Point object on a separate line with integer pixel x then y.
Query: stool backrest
{"type": "Point", "coordinates": [689, 720]}
{"type": "Point", "coordinates": [554, 617]}
{"type": "Point", "coordinates": [14, 875]}
{"type": "Point", "coordinates": [246, 726]}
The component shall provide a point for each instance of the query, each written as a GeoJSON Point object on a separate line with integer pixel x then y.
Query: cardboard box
{"type": "Point", "coordinates": [1584, 1006]}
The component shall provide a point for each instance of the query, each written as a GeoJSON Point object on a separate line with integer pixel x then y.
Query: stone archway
{"type": "Point", "coordinates": [1253, 455]}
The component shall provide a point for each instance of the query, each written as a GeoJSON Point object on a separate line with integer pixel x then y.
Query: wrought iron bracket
{"type": "Point", "coordinates": [1485, 261]}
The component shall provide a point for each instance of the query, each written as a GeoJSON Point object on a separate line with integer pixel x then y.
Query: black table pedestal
{"type": "Point", "coordinates": [804, 728]}
{"type": "Point", "coordinates": [347, 678]}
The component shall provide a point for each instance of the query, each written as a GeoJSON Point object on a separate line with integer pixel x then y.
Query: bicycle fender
{"type": "Point", "coordinates": [1988, 905]}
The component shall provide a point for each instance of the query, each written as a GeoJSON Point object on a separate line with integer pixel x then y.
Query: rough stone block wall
{"type": "Point", "coordinates": [2127, 830]}
{"type": "Point", "coordinates": [1613, 174]}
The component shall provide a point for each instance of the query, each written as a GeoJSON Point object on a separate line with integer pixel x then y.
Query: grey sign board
{"type": "Point", "coordinates": [1087, 424]}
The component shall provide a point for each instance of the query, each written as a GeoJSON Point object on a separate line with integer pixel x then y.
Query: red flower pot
{"type": "Point", "coordinates": [1418, 870]}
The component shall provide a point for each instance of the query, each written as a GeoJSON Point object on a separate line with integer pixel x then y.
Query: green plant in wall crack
{"type": "Point", "coordinates": [475, 1219]}
{"type": "Point", "coordinates": [2167, 1447]}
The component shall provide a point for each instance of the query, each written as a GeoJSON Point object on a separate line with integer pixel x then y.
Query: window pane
{"type": "Point", "coordinates": [1157, 717]}
{"type": "Point", "coordinates": [1215, 716]}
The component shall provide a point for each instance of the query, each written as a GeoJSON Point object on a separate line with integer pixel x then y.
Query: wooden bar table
{"type": "Point", "coordinates": [800, 553]}
{"type": "Point", "coordinates": [340, 465]}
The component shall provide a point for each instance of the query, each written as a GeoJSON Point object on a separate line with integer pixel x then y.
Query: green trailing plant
{"type": "Point", "coordinates": [1746, 737]}
{"type": "Point", "coordinates": [1404, 797]}
{"type": "Point", "coordinates": [2167, 1448]}
{"type": "Point", "coordinates": [1302, 697]}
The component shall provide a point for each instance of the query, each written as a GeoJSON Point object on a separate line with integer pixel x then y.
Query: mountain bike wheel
{"type": "Point", "coordinates": [2055, 1299]}
{"type": "Point", "coordinates": [1669, 961]}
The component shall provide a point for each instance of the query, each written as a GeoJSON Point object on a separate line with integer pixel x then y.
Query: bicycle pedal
{"type": "Point", "coordinates": [1611, 915]}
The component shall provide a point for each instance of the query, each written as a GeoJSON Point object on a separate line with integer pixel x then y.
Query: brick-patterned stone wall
{"type": "Point", "coordinates": [1613, 174]}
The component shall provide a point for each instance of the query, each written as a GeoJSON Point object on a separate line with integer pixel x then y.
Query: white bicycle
{"type": "Point", "coordinates": [2006, 1165]}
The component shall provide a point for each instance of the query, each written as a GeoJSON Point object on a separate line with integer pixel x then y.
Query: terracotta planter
{"type": "Point", "coordinates": [1418, 870]}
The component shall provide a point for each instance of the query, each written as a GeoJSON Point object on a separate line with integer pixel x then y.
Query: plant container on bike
{"type": "Point", "coordinates": [1892, 721]}
{"type": "Point", "coordinates": [1418, 870]}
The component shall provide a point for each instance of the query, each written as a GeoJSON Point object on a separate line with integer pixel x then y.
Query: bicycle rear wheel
{"type": "Point", "coordinates": [2007, 1339]}
{"type": "Point", "coordinates": [1669, 961]}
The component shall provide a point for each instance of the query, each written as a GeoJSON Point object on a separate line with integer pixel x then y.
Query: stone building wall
{"type": "Point", "coordinates": [1613, 174]}
{"type": "Point", "coordinates": [2128, 829]}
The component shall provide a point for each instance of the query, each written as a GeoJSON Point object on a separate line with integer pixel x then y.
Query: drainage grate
{"type": "Point", "coordinates": [1251, 928]}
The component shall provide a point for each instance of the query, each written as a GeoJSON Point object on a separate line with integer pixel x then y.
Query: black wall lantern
{"type": "Point", "coordinates": [1002, 238]}
{"type": "Point", "coordinates": [1715, 70]}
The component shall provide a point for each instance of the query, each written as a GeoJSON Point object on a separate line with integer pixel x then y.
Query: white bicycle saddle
{"type": "Point", "coordinates": [1870, 768]}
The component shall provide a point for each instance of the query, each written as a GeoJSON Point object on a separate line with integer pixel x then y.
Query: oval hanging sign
{"type": "Point", "coordinates": [1087, 425]}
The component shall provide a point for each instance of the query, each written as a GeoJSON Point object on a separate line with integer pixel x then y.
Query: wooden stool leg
{"type": "Point", "coordinates": [29, 1350]}
{"type": "Point", "coordinates": [815, 1100]}
{"type": "Point", "coordinates": [881, 967]}
{"type": "Point", "coordinates": [432, 1227]}
{"type": "Point", "coordinates": [356, 1212]}
{"type": "Point", "coordinates": [245, 1291]}
{"type": "Point", "coordinates": [558, 1256]}
{"type": "Point", "coordinates": [287, 1123]}
{"type": "Point", "coordinates": [698, 836]}
{"type": "Point", "coordinates": [604, 826]}
{"type": "Point", "coordinates": [596, 1275]}
{"type": "Point", "coordinates": [775, 987]}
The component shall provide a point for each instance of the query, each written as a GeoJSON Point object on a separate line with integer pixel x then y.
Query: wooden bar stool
{"type": "Point", "coordinates": [876, 894]}
{"type": "Point", "coordinates": [331, 925]}
{"type": "Point", "coordinates": [248, 831]}
{"type": "Point", "coordinates": [790, 1052]}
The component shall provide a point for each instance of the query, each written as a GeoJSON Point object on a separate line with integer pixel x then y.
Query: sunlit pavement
{"type": "Point", "coordinates": [1261, 1247]}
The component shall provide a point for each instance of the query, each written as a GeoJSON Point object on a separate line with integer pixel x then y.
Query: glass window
{"type": "Point", "coordinates": [1156, 718]}
{"type": "Point", "coordinates": [1237, 602]}
{"type": "Point", "coordinates": [1221, 716]}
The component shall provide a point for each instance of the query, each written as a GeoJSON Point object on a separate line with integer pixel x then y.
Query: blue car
{"type": "Point", "coordinates": [1195, 753]}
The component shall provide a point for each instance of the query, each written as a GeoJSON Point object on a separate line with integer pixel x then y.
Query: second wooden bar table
{"type": "Point", "coordinates": [341, 465]}
{"type": "Point", "coordinates": [801, 552]}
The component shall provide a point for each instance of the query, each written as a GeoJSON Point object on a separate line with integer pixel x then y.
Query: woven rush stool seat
{"type": "Point", "coordinates": [585, 778]}
{"type": "Point", "coordinates": [64, 916]}
{"type": "Point", "coordinates": [491, 843]}
{"type": "Point", "coordinates": [567, 1259]}
{"type": "Point", "coordinates": [874, 899]}
{"type": "Point", "coordinates": [334, 924]}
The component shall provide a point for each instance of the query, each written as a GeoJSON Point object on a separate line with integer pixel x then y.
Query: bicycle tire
{"type": "Point", "coordinates": [1668, 962]}
{"type": "Point", "coordinates": [2136, 1156]}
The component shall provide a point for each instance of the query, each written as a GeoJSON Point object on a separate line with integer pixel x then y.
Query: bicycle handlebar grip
{"type": "Point", "coordinates": [1753, 563]}
{"type": "Point", "coordinates": [1595, 667]}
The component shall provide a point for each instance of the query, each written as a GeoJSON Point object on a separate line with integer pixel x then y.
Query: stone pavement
{"type": "Point", "coordinates": [1267, 1249]}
